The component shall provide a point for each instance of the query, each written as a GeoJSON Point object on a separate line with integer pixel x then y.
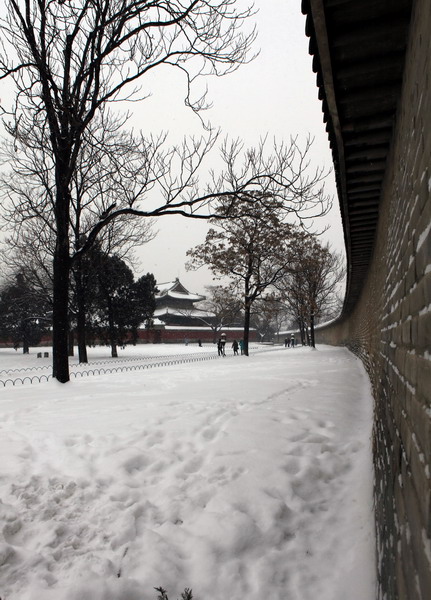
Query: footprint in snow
{"type": "Point", "coordinates": [209, 433]}
{"type": "Point", "coordinates": [193, 465]}
{"type": "Point", "coordinates": [292, 466]}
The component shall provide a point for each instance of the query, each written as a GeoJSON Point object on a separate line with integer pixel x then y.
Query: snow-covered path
{"type": "Point", "coordinates": [242, 478]}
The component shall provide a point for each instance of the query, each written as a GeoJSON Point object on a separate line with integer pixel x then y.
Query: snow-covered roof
{"type": "Point", "coordinates": [188, 296]}
{"type": "Point", "coordinates": [155, 323]}
{"type": "Point", "coordinates": [193, 312]}
{"type": "Point", "coordinates": [175, 289]}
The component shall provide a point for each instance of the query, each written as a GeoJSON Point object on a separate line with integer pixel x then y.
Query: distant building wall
{"type": "Point", "coordinates": [174, 336]}
{"type": "Point", "coordinates": [390, 330]}
{"type": "Point", "coordinates": [179, 335]}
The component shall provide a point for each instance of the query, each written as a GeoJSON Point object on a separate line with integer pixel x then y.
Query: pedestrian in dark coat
{"type": "Point", "coordinates": [235, 347]}
{"type": "Point", "coordinates": [223, 343]}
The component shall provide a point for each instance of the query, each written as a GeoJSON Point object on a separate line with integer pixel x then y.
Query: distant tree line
{"type": "Point", "coordinates": [23, 313]}
{"type": "Point", "coordinates": [108, 308]}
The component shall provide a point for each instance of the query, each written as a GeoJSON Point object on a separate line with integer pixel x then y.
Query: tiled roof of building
{"type": "Point", "coordinates": [175, 289]}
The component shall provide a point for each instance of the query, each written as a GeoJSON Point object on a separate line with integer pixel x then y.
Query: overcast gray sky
{"type": "Point", "coordinates": [276, 94]}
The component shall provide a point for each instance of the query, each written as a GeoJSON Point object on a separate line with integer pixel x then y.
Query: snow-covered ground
{"type": "Point", "coordinates": [241, 478]}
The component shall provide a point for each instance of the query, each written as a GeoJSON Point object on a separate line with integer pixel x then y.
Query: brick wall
{"type": "Point", "coordinates": [178, 336]}
{"type": "Point", "coordinates": [390, 330]}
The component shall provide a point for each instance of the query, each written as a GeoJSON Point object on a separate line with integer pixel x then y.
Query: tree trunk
{"type": "Point", "coordinates": [82, 339]}
{"type": "Point", "coordinates": [112, 332]}
{"type": "Point", "coordinates": [301, 325]}
{"type": "Point", "coordinates": [60, 333]}
{"type": "Point", "coordinates": [312, 338]}
{"type": "Point", "coordinates": [61, 272]}
{"type": "Point", "coordinates": [247, 310]}
{"type": "Point", "coordinates": [305, 333]}
{"type": "Point", "coordinates": [81, 316]}
{"type": "Point", "coordinates": [71, 343]}
{"type": "Point", "coordinates": [247, 304]}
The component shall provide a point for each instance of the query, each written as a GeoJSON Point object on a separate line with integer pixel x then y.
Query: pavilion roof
{"type": "Point", "coordinates": [176, 290]}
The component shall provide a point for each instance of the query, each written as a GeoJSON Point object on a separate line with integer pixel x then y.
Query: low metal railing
{"type": "Point", "coordinates": [95, 367]}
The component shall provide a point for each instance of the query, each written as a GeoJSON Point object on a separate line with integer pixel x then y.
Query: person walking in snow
{"type": "Point", "coordinates": [223, 343]}
{"type": "Point", "coordinates": [235, 347]}
{"type": "Point", "coordinates": [241, 346]}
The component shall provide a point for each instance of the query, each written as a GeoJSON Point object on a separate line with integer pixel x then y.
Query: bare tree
{"type": "Point", "coordinates": [29, 214]}
{"type": "Point", "coordinates": [28, 250]}
{"type": "Point", "coordinates": [223, 305]}
{"type": "Point", "coordinates": [310, 289]}
{"type": "Point", "coordinates": [255, 232]}
{"type": "Point", "coordinates": [253, 249]}
{"type": "Point", "coordinates": [268, 316]}
{"type": "Point", "coordinates": [68, 60]}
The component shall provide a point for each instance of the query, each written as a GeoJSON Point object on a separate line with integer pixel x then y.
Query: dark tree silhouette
{"type": "Point", "coordinates": [23, 313]}
{"type": "Point", "coordinates": [119, 304]}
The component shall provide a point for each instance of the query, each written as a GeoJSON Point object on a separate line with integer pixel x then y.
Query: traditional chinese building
{"type": "Point", "coordinates": [175, 305]}
{"type": "Point", "coordinates": [177, 319]}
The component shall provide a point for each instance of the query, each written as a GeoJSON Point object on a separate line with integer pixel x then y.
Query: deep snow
{"type": "Point", "coordinates": [242, 478]}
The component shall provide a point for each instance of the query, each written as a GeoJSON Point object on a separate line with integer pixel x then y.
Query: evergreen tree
{"type": "Point", "coordinates": [120, 305]}
{"type": "Point", "coordinates": [23, 311]}
{"type": "Point", "coordinates": [144, 301]}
